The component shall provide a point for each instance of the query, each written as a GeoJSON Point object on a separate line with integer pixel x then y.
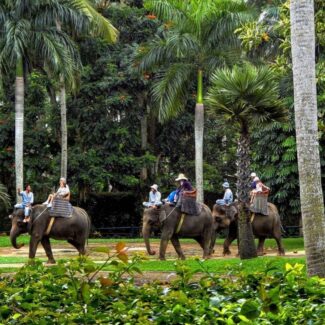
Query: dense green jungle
{"type": "Point", "coordinates": [115, 138]}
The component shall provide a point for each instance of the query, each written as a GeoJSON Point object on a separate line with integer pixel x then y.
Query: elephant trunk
{"type": "Point", "coordinates": [13, 237]}
{"type": "Point", "coordinates": [146, 234]}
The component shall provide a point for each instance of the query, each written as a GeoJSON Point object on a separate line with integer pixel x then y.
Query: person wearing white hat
{"type": "Point", "coordinates": [228, 196]}
{"type": "Point", "coordinates": [184, 185]}
{"type": "Point", "coordinates": [63, 193]}
{"type": "Point", "coordinates": [154, 197]}
{"type": "Point", "coordinates": [253, 178]}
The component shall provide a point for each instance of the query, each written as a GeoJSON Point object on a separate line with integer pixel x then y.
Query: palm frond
{"type": "Point", "coordinates": [246, 93]}
{"type": "Point", "coordinates": [170, 90]}
{"type": "Point", "coordinates": [4, 196]}
{"type": "Point", "coordinates": [100, 25]}
{"type": "Point", "coordinates": [172, 48]}
{"type": "Point", "coordinates": [168, 10]}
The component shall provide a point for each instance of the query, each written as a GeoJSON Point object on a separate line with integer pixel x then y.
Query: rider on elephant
{"type": "Point", "coordinates": [27, 201]}
{"type": "Point", "coordinates": [154, 197]}
{"type": "Point", "coordinates": [228, 196]}
{"type": "Point", "coordinates": [184, 185]}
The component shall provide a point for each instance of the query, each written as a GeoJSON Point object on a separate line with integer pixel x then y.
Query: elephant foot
{"type": "Point", "coordinates": [162, 258]}
{"type": "Point", "coordinates": [281, 253]}
{"type": "Point", "coordinates": [260, 253]}
{"type": "Point", "coordinates": [49, 262]}
{"type": "Point", "coordinates": [152, 253]}
{"type": "Point", "coordinates": [207, 257]}
{"type": "Point", "coordinates": [226, 253]}
{"type": "Point", "coordinates": [182, 257]}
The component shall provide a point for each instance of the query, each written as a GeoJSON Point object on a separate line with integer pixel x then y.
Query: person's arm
{"type": "Point", "coordinates": [158, 197]}
{"type": "Point", "coordinates": [32, 198]}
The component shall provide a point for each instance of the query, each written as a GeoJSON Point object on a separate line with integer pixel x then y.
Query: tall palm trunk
{"type": "Point", "coordinates": [311, 196]}
{"type": "Point", "coordinates": [247, 248]}
{"type": "Point", "coordinates": [64, 130]}
{"type": "Point", "coordinates": [198, 131]}
{"type": "Point", "coordinates": [19, 125]}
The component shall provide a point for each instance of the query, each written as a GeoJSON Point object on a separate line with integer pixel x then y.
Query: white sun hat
{"type": "Point", "coordinates": [181, 177]}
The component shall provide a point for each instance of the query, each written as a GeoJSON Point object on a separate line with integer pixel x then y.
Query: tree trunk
{"type": "Point", "coordinates": [311, 196]}
{"type": "Point", "coordinates": [247, 248]}
{"type": "Point", "coordinates": [64, 131]}
{"type": "Point", "coordinates": [198, 133]}
{"type": "Point", "coordinates": [144, 132]}
{"type": "Point", "coordinates": [19, 126]}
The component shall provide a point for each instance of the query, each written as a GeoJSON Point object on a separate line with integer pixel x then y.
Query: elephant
{"type": "Point", "coordinates": [74, 229]}
{"type": "Point", "coordinates": [263, 226]}
{"type": "Point", "coordinates": [167, 218]}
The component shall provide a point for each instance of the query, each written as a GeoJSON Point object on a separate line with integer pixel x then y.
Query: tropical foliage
{"type": "Point", "coordinates": [72, 292]}
{"type": "Point", "coordinates": [245, 97]}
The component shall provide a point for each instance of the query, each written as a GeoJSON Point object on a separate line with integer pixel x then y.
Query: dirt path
{"type": "Point", "coordinates": [65, 251]}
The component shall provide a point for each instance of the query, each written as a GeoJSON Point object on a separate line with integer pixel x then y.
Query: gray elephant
{"type": "Point", "coordinates": [75, 230]}
{"type": "Point", "coordinates": [263, 226]}
{"type": "Point", "coordinates": [168, 219]}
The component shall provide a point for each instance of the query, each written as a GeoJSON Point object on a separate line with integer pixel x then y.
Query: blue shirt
{"type": "Point", "coordinates": [28, 198]}
{"type": "Point", "coordinates": [228, 197]}
{"type": "Point", "coordinates": [171, 196]}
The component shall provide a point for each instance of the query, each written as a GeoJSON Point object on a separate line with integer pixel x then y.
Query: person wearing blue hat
{"type": "Point", "coordinates": [228, 196]}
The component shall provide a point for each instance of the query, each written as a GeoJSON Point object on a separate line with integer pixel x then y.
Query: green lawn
{"type": "Point", "coordinates": [216, 265]}
{"type": "Point", "coordinates": [289, 243]}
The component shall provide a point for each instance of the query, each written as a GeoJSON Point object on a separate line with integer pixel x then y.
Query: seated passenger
{"type": "Point", "coordinates": [228, 196]}
{"type": "Point", "coordinates": [27, 201]}
{"type": "Point", "coordinates": [259, 188]}
{"type": "Point", "coordinates": [170, 198]}
{"type": "Point", "coordinates": [63, 193]}
{"type": "Point", "coordinates": [184, 185]}
{"type": "Point", "coordinates": [154, 197]}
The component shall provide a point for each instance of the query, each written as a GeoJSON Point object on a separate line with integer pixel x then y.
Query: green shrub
{"type": "Point", "coordinates": [77, 292]}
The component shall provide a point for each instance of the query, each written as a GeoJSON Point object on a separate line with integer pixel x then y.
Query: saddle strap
{"type": "Point", "coordinates": [49, 227]}
{"type": "Point", "coordinates": [180, 223]}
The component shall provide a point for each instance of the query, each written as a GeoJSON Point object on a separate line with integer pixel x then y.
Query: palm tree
{"type": "Point", "coordinates": [198, 37]}
{"type": "Point", "coordinates": [244, 97]}
{"type": "Point", "coordinates": [26, 36]}
{"type": "Point", "coordinates": [4, 197]}
{"type": "Point", "coordinates": [80, 16]}
{"type": "Point", "coordinates": [305, 102]}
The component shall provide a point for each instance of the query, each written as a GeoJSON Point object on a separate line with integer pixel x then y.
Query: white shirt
{"type": "Point", "coordinates": [63, 191]}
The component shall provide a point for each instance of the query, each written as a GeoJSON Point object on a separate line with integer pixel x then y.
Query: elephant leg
{"type": "Point", "coordinates": [48, 250]}
{"type": "Point", "coordinates": [226, 244]}
{"type": "Point", "coordinates": [79, 246]}
{"type": "Point", "coordinates": [33, 243]}
{"type": "Point", "coordinates": [206, 243]}
{"type": "Point", "coordinates": [278, 240]}
{"type": "Point", "coordinates": [260, 247]}
{"type": "Point", "coordinates": [165, 237]}
{"type": "Point", "coordinates": [177, 247]}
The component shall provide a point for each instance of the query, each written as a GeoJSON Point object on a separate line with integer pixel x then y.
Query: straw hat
{"type": "Point", "coordinates": [154, 186]}
{"type": "Point", "coordinates": [181, 177]}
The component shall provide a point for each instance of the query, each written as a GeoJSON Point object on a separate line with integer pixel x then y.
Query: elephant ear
{"type": "Point", "coordinates": [162, 216]}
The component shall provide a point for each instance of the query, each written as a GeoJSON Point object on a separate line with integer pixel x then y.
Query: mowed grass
{"type": "Point", "coordinates": [219, 265]}
{"type": "Point", "coordinates": [289, 243]}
